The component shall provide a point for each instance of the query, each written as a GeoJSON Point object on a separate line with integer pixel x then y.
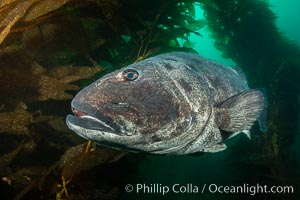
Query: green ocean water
{"type": "Point", "coordinates": [287, 22]}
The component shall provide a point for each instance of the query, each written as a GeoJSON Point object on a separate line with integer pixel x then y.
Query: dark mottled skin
{"type": "Point", "coordinates": [168, 109]}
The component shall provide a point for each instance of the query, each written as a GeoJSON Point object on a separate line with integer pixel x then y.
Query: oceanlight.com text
{"type": "Point", "coordinates": [156, 188]}
{"type": "Point", "coordinates": [250, 189]}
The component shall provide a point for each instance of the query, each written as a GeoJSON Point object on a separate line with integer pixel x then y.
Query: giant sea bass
{"type": "Point", "coordinates": [173, 103]}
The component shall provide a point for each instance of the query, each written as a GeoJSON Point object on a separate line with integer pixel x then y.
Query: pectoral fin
{"type": "Point", "coordinates": [215, 148]}
{"type": "Point", "coordinates": [239, 112]}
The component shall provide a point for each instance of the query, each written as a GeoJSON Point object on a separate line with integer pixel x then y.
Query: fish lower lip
{"type": "Point", "coordinates": [89, 122]}
{"type": "Point", "coordinates": [97, 120]}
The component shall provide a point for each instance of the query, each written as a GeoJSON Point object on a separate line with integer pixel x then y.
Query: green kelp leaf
{"type": "Point", "coordinates": [174, 43]}
{"type": "Point", "coordinates": [196, 25]}
{"type": "Point", "coordinates": [113, 52]}
{"type": "Point", "coordinates": [126, 38]}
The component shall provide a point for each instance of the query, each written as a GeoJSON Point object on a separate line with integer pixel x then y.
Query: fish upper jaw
{"type": "Point", "coordinates": [78, 113]}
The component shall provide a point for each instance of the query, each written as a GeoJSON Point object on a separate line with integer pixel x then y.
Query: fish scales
{"type": "Point", "coordinates": [173, 103]}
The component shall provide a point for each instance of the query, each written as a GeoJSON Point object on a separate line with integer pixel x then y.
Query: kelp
{"type": "Point", "coordinates": [268, 58]}
{"type": "Point", "coordinates": [18, 120]}
{"type": "Point", "coordinates": [75, 162]}
{"type": "Point", "coordinates": [48, 51]}
{"type": "Point", "coordinates": [245, 31]}
{"type": "Point", "coordinates": [28, 11]}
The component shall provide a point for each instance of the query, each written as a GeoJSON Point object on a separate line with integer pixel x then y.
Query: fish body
{"type": "Point", "coordinates": [173, 103]}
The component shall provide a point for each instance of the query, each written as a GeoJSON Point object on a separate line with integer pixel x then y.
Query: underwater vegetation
{"type": "Point", "coordinates": [51, 49]}
{"type": "Point", "coordinates": [245, 31]}
{"type": "Point", "coordinates": [48, 51]}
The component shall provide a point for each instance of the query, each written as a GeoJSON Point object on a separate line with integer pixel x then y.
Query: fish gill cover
{"type": "Point", "coordinates": [51, 49]}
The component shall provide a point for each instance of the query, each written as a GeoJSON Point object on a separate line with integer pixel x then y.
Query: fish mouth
{"type": "Point", "coordinates": [103, 135]}
{"type": "Point", "coordinates": [94, 121]}
{"type": "Point", "coordinates": [101, 130]}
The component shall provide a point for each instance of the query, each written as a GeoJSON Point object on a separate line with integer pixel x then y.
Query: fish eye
{"type": "Point", "coordinates": [130, 74]}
